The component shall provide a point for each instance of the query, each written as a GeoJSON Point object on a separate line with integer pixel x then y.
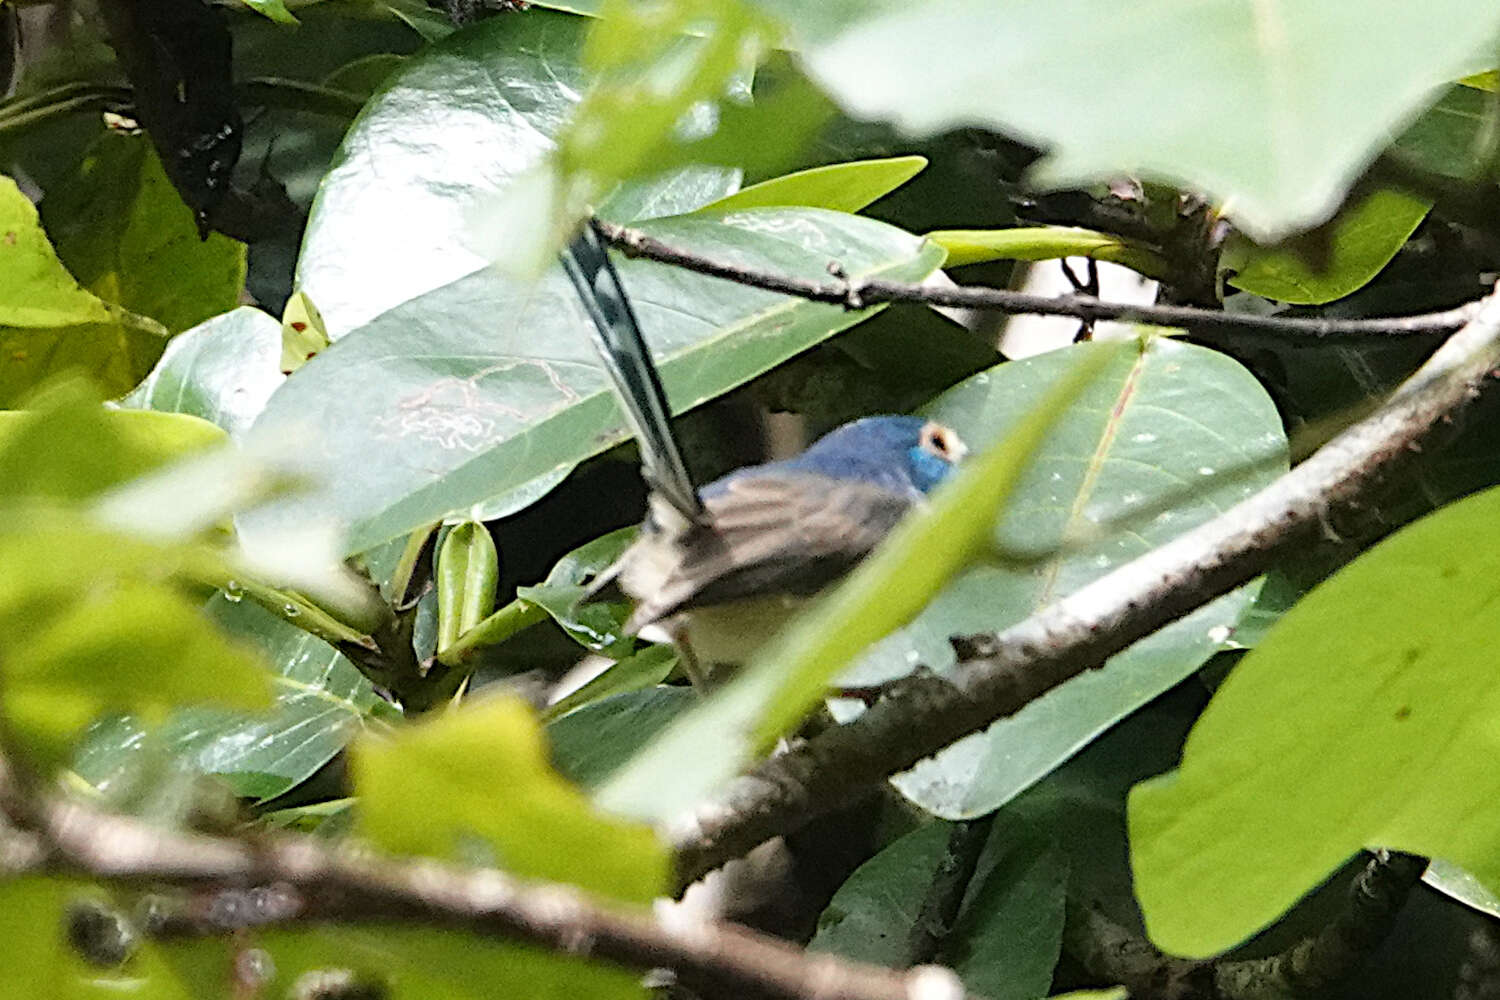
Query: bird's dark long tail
{"type": "Point", "coordinates": [626, 358]}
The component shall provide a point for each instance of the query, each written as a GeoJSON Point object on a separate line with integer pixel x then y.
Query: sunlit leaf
{"type": "Point", "coordinates": [1386, 744]}
{"type": "Point", "coordinates": [48, 324]}
{"type": "Point", "coordinates": [460, 121]}
{"type": "Point", "coordinates": [841, 187]}
{"type": "Point", "coordinates": [475, 784]}
{"type": "Point", "coordinates": [222, 371]}
{"type": "Point", "coordinates": [1289, 102]}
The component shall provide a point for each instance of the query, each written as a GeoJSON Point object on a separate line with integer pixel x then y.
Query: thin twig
{"type": "Point", "coordinates": [854, 293]}
{"type": "Point", "coordinates": [303, 878]}
{"type": "Point", "coordinates": [999, 674]}
{"type": "Point", "coordinates": [945, 893]}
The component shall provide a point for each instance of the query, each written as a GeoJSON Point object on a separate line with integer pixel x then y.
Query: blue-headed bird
{"type": "Point", "coordinates": [716, 572]}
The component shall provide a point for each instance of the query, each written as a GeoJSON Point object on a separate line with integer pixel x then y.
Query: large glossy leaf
{"type": "Point", "coordinates": [222, 371]}
{"type": "Point", "coordinates": [489, 387]}
{"type": "Point", "coordinates": [125, 234]}
{"type": "Point", "coordinates": [460, 121]}
{"type": "Point", "coordinates": [1389, 742]}
{"type": "Point", "coordinates": [48, 324]}
{"type": "Point", "coordinates": [321, 703]}
{"type": "Point", "coordinates": [1008, 933]}
{"type": "Point", "coordinates": [1170, 436]}
{"type": "Point", "coordinates": [1271, 108]}
{"type": "Point", "coordinates": [1354, 246]}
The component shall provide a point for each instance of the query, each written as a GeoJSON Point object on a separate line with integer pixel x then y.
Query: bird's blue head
{"type": "Point", "coordinates": [899, 453]}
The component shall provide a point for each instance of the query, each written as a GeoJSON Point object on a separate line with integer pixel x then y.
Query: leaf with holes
{"type": "Point", "coordinates": [1170, 436]}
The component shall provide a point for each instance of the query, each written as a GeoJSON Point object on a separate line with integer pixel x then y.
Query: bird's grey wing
{"type": "Point", "coordinates": [787, 533]}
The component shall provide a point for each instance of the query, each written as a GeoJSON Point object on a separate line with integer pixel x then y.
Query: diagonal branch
{"type": "Point", "coordinates": [302, 878]}
{"type": "Point", "coordinates": [854, 293]}
{"type": "Point", "coordinates": [999, 674]}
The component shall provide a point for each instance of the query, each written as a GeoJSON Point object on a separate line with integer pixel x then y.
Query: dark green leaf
{"type": "Point", "coordinates": [589, 744]}
{"type": "Point", "coordinates": [1009, 929]}
{"type": "Point", "coordinates": [598, 625]}
{"type": "Point", "coordinates": [125, 234]}
{"type": "Point", "coordinates": [1360, 241]}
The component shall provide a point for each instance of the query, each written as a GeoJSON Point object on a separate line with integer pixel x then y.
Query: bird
{"type": "Point", "coordinates": [775, 535]}
{"type": "Point", "coordinates": [714, 571]}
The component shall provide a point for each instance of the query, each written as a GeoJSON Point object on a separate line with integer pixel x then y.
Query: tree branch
{"type": "Point", "coordinates": [1309, 967]}
{"type": "Point", "coordinates": [301, 878]}
{"type": "Point", "coordinates": [945, 894]}
{"type": "Point", "coordinates": [854, 293]}
{"type": "Point", "coordinates": [999, 674]}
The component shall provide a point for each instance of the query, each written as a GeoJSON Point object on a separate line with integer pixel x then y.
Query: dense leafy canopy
{"type": "Point", "coordinates": [312, 477]}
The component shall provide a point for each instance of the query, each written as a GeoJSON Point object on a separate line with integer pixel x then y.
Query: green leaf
{"type": "Point", "coordinates": [303, 332]}
{"type": "Point", "coordinates": [395, 216]}
{"type": "Point", "coordinates": [431, 789]}
{"type": "Point", "coordinates": [974, 246]}
{"type": "Point", "coordinates": [321, 703]}
{"type": "Point", "coordinates": [34, 918]}
{"type": "Point", "coordinates": [48, 324]}
{"type": "Point", "coordinates": [74, 449]}
{"type": "Point", "coordinates": [1454, 882]}
{"type": "Point", "coordinates": [489, 390]}
{"type": "Point", "coordinates": [1445, 139]}
{"type": "Point", "coordinates": [647, 668]}
{"type": "Point", "coordinates": [590, 744]}
{"type": "Point", "coordinates": [1169, 436]}
{"type": "Point", "coordinates": [1008, 934]}
{"type": "Point", "coordinates": [791, 672]}
{"type": "Point", "coordinates": [125, 234]}
{"type": "Point", "coordinates": [1357, 243]}
{"type": "Point", "coordinates": [273, 9]}
{"type": "Point", "coordinates": [596, 625]}
{"type": "Point", "coordinates": [409, 963]}
{"type": "Point", "coordinates": [1312, 91]}
{"type": "Point", "coordinates": [839, 187]}
{"type": "Point", "coordinates": [1386, 743]}
{"type": "Point", "coordinates": [468, 570]}
{"type": "Point", "coordinates": [223, 371]}
{"type": "Point", "coordinates": [135, 647]}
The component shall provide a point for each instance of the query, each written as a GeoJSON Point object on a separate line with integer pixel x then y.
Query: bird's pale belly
{"type": "Point", "coordinates": [732, 633]}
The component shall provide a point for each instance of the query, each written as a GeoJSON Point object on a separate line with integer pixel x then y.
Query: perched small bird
{"type": "Point", "coordinates": [736, 555]}
{"type": "Point", "coordinates": [776, 534]}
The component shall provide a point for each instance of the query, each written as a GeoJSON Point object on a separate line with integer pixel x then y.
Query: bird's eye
{"type": "Point", "coordinates": [942, 442]}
